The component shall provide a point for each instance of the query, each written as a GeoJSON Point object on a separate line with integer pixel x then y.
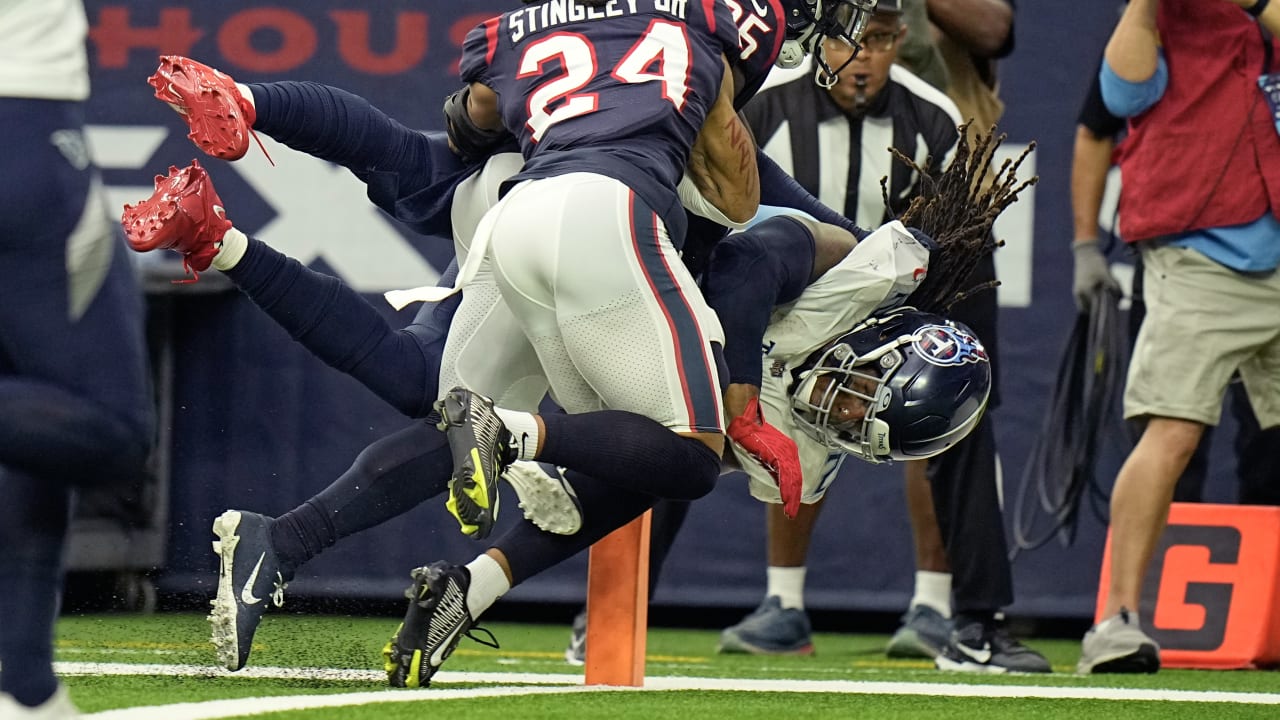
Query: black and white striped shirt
{"type": "Point", "coordinates": [840, 159]}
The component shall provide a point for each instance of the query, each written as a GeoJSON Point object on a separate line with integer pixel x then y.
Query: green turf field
{"type": "Point", "coordinates": [160, 667]}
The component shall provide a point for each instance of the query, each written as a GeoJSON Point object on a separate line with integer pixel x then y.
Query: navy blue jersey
{"type": "Point", "coordinates": [621, 90]}
{"type": "Point", "coordinates": [761, 30]}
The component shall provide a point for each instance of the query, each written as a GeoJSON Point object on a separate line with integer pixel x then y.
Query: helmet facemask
{"type": "Point", "coordinates": [901, 386]}
{"type": "Point", "coordinates": [837, 401]}
{"type": "Point", "coordinates": [811, 21]}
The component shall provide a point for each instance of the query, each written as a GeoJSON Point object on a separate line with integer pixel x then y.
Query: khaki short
{"type": "Point", "coordinates": [1204, 322]}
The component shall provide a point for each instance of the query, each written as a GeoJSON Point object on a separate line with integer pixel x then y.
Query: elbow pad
{"type": "Point", "coordinates": [472, 143]}
{"type": "Point", "coordinates": [695, 203]}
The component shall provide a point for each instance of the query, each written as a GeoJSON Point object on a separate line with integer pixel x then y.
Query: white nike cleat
{"type": "Point", "coordinates": [250, 580]}
{"type": "Point", "coordinates": [546, 498]}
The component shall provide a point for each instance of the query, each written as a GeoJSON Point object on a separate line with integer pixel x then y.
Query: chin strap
{"type": "Point", "coordinates": [824, 75]}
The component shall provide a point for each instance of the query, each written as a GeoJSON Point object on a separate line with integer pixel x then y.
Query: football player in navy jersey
{"type": "Point", "coordinates": [595, 284]}
{"type": "Point", "coordinates": [584, 253]}
{"type": "Point", "coordinates": [415, 177]}
{"type": "Point", "coordinates": [585, 256]}
{"type": "Point", "coordinates": [410, 177]}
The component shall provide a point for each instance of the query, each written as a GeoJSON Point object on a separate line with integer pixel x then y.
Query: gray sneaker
{"type": "Point", "coordinates": [1118, 645]}
{"type": "Point", "coordinates": [770, 630]}
{"type": "Point", "coordinates": [576, 652]}
{"type": "Point", "coordinates": [923, 634]}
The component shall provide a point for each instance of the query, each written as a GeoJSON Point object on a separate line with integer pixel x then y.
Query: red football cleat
{"type": "Point", "coordinates": [184, 214]}
{"type": "Point", "coordinates": [220, 118]}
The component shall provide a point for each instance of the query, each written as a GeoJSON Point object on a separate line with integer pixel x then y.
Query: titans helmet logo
{"type": "Point", "coordinates": [948, 345]}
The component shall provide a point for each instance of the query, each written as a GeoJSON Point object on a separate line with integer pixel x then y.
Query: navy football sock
{"type": "Point", "coordinates": [341, 327]}
{"type": "Point", "coordinates": [668, 518]}
{"type": "Point", "coordinates": [33, 526]}
{"type": "Point", "coordinates": [390, 477]}
{"type": "Point", "coordinates": [631, 452]}
{"type": "Point", "coordinates": [605, 508]}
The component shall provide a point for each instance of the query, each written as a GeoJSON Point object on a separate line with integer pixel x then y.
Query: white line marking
{"type": "Point", "coordinates": [543, 684]}
{"type": "Point", "coordinates": [256, 706]}
{"type": "Point", "coordinates": [862, 687]}
{"type": "Point", "coordinates": [284, 673]}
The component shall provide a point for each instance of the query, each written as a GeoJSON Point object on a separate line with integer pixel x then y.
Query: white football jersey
{"type": "Point", "coordinates": [42, 49]}
{"type": "Point", "coordinates": [879, 273]}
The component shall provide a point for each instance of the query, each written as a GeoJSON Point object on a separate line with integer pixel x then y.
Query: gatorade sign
{"type": "Point", "coordinates": [1210, 594]}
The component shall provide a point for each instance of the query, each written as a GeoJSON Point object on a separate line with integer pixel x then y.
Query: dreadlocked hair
{"type": "Point", "coordinates": [958, 209]}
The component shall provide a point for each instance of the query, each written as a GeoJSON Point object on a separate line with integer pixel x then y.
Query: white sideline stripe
{"type": "Point", "coordinates": [543, 684]}
{"type": "Point", "coordinates": [256, 706]}
{"type": "Point", "coordinates": [863, 687]}
{"type": "Point", "coordinates": [285, 673]}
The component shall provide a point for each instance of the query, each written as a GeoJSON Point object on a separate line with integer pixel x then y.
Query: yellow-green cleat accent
{"type": "Point", "coordinates": [481, 453]}
{"type": "Point", "coordinates": [391, 664]}
{"type": "Point", "coordinates": [437, 618]}
{"type": "Point", "coordinates": [451, 504]}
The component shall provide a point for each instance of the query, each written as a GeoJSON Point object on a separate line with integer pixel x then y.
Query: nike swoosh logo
{"type": "Point", "coordinates": [173, 93]}
{"type": "Point", "coordinates": [437, 657]}
{"type": "Point", "coordinates": [981, 655]}
{"type": "Point", "coordinates": [761, 10]}
{"type": "Point", "coordinates": [246, 593]}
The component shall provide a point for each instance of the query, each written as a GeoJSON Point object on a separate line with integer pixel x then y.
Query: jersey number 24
{"type": "Point", "coordinates": [663, 44]}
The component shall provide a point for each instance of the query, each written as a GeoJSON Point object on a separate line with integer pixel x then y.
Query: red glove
{"type": "Point", "coordinates": [775, 451]}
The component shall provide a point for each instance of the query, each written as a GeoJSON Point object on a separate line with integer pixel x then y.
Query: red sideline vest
{"type": "Point", "coordinates": [1207, 153]}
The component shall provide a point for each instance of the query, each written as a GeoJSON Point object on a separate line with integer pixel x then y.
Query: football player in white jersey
{"type": "Point", "coordinates": [850, 367]}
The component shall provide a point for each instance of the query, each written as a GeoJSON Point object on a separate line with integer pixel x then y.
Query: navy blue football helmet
{"type": "Point", "coordinates": [904, 385]}
{"type": "Point", "coordinates": [809, 21]}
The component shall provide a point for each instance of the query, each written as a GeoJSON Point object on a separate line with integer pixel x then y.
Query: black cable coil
{"type": "Point", "coordinates": [1084, 415]}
